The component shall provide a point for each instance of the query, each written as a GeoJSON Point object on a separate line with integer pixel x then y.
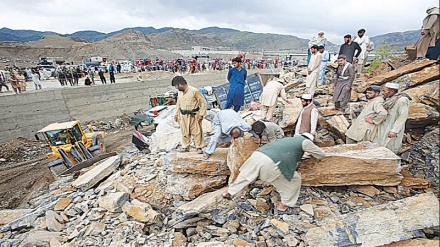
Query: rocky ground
{"type": "Point", "coordinates": [359, 195]}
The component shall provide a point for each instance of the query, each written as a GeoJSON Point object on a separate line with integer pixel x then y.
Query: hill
{"type": "Point", "coordinates": [397, 40]}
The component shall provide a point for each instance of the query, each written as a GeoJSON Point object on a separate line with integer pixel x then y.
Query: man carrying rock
{"type": "Point", "coordinates": [269, 97]}
{"type": "Point", "coordinates": [190, 110]}
{"type": "Point", "coordinates": [308, 117]}
{"type": "Point", "coordinates": [313, 70]}
{"type": "Point", "coordinates": [364, 127]}
{"type": "Point", "coordinates": [226, 124]}
{"type": "Point", "coordinates": [390, 132]}
{"type": "Point", "coordinates": [266, 132]}
{"type": "Point", "coordinates": [343, 81]}
{"type": "Point", "coordinates": [276, 163]}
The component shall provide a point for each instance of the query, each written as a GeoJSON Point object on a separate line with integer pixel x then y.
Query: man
{"type": "Point", "coordinates": [236, 77]}
{"type": "Point", "coordinates": [226, 124]}
{"type": "Point", "coordinates": [313, 70]}
{"type": "Point", "coordinates": [308, 117]}
{"type": "Point", "coordinates": [364, 127]}
{"type": "Point", "coordinates": [111, 71]}
{"type": "Point", "coordinates": [269, 97]}
{"type": "Point", "coordinates": [275, 163]}
{"type": "Point", "coordinates": [102, 77]}
{"type": "Point", "coordinates": [343, 82]}
{"type": "Point", "coordinates": [365, 44]}
{"type": "Point", "coordinates": [325, 58]}
{"type": "Point", "coordinates": [320, 40]}
{"type": "Point", "coordinates": [430, 31]}
{"type": "Point", "coordinates": [390, 132]}
{"type": "Point", "coordinates": [266, 132]}
{"type": "Point", "coordinates": [3, 81]}
{"type": "Point", "coordinates": [349, 48]}
{"type": "Point", "coordinates": [190, 110]}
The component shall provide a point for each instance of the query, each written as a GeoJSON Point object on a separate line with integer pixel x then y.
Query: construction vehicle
{"type": "Point", "coordinates": [72, 147]}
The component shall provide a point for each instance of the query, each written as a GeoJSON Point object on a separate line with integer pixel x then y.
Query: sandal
{"type": "Point", "coordinates": [183, 150]}
{"type": "Point", "coordinates": [199, 151]}
{"type": "Point", "coordinates": [206, 156]}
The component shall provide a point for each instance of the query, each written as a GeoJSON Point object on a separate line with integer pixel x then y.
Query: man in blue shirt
{"type": "Point", "coordinates": [236, 77]}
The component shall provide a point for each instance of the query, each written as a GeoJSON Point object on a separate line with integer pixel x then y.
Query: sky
{"type": "Point", "coordinates": [301, 18]}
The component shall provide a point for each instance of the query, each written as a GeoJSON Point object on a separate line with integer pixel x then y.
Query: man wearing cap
{"type": "Point", "coordinates": [236, 77]}
{"type": "Point", "coordinates": [430, 31]}
{"type": "Point", "coordinates": [366, 46]}
{"type": "Point", "coordinates": [349, 48]}
{"type": "Point", "coordinates": [269, 97]}
{"type": "Point", "coordinates": [275, 163]}
{"type": "Point", "coordinates": [325, 58]}
{"type": "Point", "coordinates": [190, 110]}
{"type": "Point", "coordinates": [226, 124]}
{"type": "Point", "coordinates": [318, 40]}
{"type": "Point", "coordinates": [364, 127]}
{"type": "Point", "coordinates": [308, 117]}
{"type": "Point", "coordinates": [390, 132]}
{"type": "Point", "coordinates": [266, 132]}
{"type": "Point", "coordinates": [343, 81]}
{"type": "Point", "coordinates": [313, 70]}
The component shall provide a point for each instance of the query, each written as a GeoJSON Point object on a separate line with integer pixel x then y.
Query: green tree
{"type": "Point", "coordinates": [382, 52]}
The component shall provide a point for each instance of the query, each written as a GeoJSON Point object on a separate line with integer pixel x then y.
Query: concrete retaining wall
{"type": "Point", "coordinates": [24, 114]}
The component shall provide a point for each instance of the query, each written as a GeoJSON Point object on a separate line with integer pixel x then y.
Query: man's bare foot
{"type": "Point", "coordinates": [226, 195]}
{"type": "Point", "coordinates": [206, 156]}
{"type": "Point", "coordinates": [281, 207]}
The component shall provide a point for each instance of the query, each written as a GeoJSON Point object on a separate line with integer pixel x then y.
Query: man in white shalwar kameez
{"type": "Point", "coordinates": [269, 97]}
{"type": "Point", "coordinates": [313, 70]}
{"type": "Point", "coordinates": [390, 132]}
{"type": "Point", "coordinates": [365, 43]}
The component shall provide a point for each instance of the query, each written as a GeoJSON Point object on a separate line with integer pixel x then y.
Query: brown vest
{"type": "Point", "coordinates": [306, 116]}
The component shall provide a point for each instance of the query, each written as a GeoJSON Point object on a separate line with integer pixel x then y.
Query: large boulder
{"type": "Point", "coordinates": [97, 173]}
{"type": "Point", "coordinates": [239, 152]}
{"type": "Point", "coordinates": [194, 163]}
{"type": "Point", "coordinates": [189, 186]}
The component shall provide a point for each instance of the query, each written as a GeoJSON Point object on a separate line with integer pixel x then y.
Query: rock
{"type": "Point", "coordinates": [421, 115]}
{"type": "Point", "coordinates": [327, 111]}
{"type": "Point", "coordinates": [338, 125]}
{"type": "Point", "coordinates": [394, 74]}
{"type": "Point", "coordinates": [322, 213]}
{"type": "Point", "coordinates": [165, 137]}
{"type": "Point", "coordinates": [415, 183]}
{"type": "Point", "coordinates": [113, 201]}
{"type": "Point", "coordinates": [308, 208]}
{"type": "Point", "coordinates": [368, 190]}
{"type": "Point", "coordinates": [280, 226]}
{"type": "Point", "coordinates": [390, 189]}
{"type": "Point", "coordinates": [415, 79]}
{"type": "Point", "coordinates": [426, 91]}
{"type": "Point", "coordinates": [379, 225]}
{"type": "Point", "coordinates": [354, 96]}
{"type": "Point", "coordinates": [54, 222]}
{"type": "Point", "coordinates": [290, 240]}
{"type": "Point", "coordinates": [189, 186]}
{"type": "Point", "coordinates": [98, 173]}
{"type": "Point", "coordinates": [291, 114]}
{"type": "Point", "coordinates": [40, 238]}
{"type": "Point", "coordinates": [179, 240]}
{"type": "Point", "coordinates": [95, 228]}
{"type": "Point", "coordinates": [54, 243]}
{"type": "Point", "coordinates": [62, 203]}
{"type": "Point", "coordinates": [239, 151]}
{"type": "Point", "coordinates": [419, 242]}
{"type": "Point", "coordinates": [190, 163]}
{"type": "Point", "coordinates": [8, 215]}
{"type": "Point", "coordinates": [140, 211]}
{"type": "Point", "coordinates": [364, 163]}
{"type": "Point", "coordinates": [211, 244]}
{"type": "Point", "coordinates": [28, 220]}
{"type": "Point", "coordinates": [242, 243]}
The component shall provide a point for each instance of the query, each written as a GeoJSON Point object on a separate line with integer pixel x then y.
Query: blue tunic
{"type": "Point", "coordinates": [236, 80]}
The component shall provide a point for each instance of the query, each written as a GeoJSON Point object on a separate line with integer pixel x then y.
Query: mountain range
{"type": "Point", "coordinates": [220, 38]}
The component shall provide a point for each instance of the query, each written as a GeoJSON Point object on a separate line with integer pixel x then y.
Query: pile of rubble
{"type": "Point", "coordinates": [359, 194]}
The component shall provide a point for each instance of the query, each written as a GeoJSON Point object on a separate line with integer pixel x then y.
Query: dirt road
{"type": "Point", "coordinates": [23, 167]}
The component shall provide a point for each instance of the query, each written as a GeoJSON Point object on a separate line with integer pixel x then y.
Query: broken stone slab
{"type": "Point", "coordinates": [95, 228]}
{"type": "Point", "coordinates": [368, 190]}
{"type": "Point", "coordinates": [338, 125]}
{"type": "Point", "coordinates": [379, 225]}
{"type": "Point", "coordinates": [211, 244]}
{"type": "Point", "coordinates": [415, 79]}
{"type": "Point", "coordinates": [327, 111]}
{"type": "Point", "coordinates": [239, 151]}
{"type": "Point", "coordinates": [141, 211]}
{"type": "Point", "coordinates": [62, 203]}
{"type": "Point", "coordinates": [419, 242]}
{"type": "Point", "coordinates": [421, 115]}
{"type": "Point", "coordinates": [364, 163]}
{"type": "Point", "coordinates": [97, 173]}
{"type": "Point", "coordinates": [113, 201]}
{"type": "Point", "coordinates": [54, 222]}
{"type": "Point", "coordinates": [428, 90]}
{"type": "Point", "coordinates": [195, 164]}
{"type": "Point", "coordinates": [8, 215]}
{"type": "Point", "coordinates": [40, 238]}
{"type": "Point", "coordinates": [190, 186]}
{"type": "Point", "coordinates": [394, 74]}
{"type": "Point", "coordinates": [291, 114]}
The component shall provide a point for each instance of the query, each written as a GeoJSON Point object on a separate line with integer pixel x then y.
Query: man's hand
{"type": "Point", "coordinates": [200, 118]}
{"type": "Point", "coordinates": [257, 140]}
{"type": "Point", "coordinates": [347, 89]}
{"type": "Point", "coordinates": [355, 60]}
{"type": "Point", "coordinates": [392, 134]}
{"type": "Point", "coordinates": [175, 118]}
{"type": "Point", "coordinates": [369, 120]}
{"type": "Point", "coordinates": [308, 72]}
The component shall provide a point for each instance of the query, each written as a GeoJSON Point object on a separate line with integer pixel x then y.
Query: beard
{"type": "Point", "coordinates": [180, 89]}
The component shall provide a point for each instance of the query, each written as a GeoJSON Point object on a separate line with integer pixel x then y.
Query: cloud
{"type": "Point", "coordinates": [302, 18]}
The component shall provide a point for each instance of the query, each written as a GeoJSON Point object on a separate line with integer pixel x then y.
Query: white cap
{"type": "Point", "coordinates": [308, 135]}
{"type": "Point", "coordinates": [306, 96]}
{"type": "Point", "coordinates": [392, 85]}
